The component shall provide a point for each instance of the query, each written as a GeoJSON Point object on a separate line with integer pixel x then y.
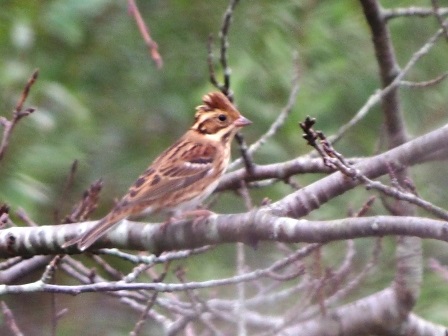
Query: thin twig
{"type": "Point", "coordinates": [144, 30]}
{"type": "Point", "coordinates": [379, 94]}
{"type": "Point", "coordinates": [102, 286]}
{"type": "Point", "coordinates": [211, 65]}
{"type": "Point", "coordinates": [65, 190]}
{"type": "Point", "coordinates": [108, 268]}
{"type": "Point", "coordinates": [144, 316]}
{"type": "Point", "coordinates": [352, 285]}
{"type": "Point", "coordinates": [412, 11]}
{"type": "Point", "coordinates": [224, 37]}
{"type": "Point", "coordinates": [10, 320]}
{"type": "Point", "coordinates": [198, 305]}
{"type": "Point", "coordinates": [225, 86]}
{"type": "Point", "coordinates": [21, 213]}
{"type": "Point", "coordinates": [54, 319]}
{"type": "Point", "coordinates": [18, 114]}
{"type": "Point", "coordinates": [240, 309]}
{"type": "Point", "coordinates": [438, 268]}
{"type": "Point", "coordinates": [4, 216]}
{"type": "Point", "coordinates": [318, 289]}
{"type": "Point", "coordinates": [245, 155]}
{"type": "Point", "coordinates": [149, 304]}
{"type": "Point", "coordinates": [130, 298]}
{"type": "Point", "coordinates": [425, 84]}
{"type": "Point", "coordinates": [436, 11]}
{"type": "Point", "coordinates": [87, 205]}
{"type": "Point", "coordinates": [281, 118]}
{"type": "Point", "coordinates": [50, 270]}
{"type": "Point", "coordinates": [366, 207]}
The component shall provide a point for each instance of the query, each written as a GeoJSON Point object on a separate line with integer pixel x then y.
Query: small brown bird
{"type": "Point", "coordinates": [184, 174]}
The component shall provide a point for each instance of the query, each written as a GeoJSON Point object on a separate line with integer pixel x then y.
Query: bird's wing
{"type": "Point", "coordinates": [177, 168]}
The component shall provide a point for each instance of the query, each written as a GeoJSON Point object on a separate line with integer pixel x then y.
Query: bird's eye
{"type": "Point", "coordinates": [222, 117]}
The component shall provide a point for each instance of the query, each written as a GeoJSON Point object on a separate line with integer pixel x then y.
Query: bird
{"type": "Point", "coordinates": [182, 176]}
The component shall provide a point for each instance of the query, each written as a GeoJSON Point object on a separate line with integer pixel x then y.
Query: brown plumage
{"type": "Point", "coordinates": [184, 174]}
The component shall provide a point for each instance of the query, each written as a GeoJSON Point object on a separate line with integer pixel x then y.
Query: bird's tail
{"type": "Point", "coordinates": [85, 240]}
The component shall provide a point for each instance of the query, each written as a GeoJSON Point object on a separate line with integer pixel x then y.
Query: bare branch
{"type": "Point", "coordinates": [10, 320]}
{"type": "Point", "coordinates": [281, 118]}
{"type": "Point", "coordinates": [398, 12]}
{"type": "Point", "coordinates": [379, 95]}
{"type": "Point", "coordinates": [277, 171]}
{"type": "Point", "coordinates": [150, 43]}
{"type": "Point", "coordinates": [18, 114]}
{"type": "Point", "coordinates": [224, 37]}
{"type": "Point", "coordinates": [21, 267]}
{"type": "Point", "coordinates": [303, 201]}
{"type": "Point", "coordinates": [50, 270]}
{"type": "Point", "coordinates": [436, 11]}
{"type": "Point", "coordinates": [425, 84]}
{"type": "Point", "coordinates": [335, 159]}
{"type": "Point", "coordinates": [87, 205]}
{"type": "Point", "coordinates": [211, 66]}
{"type": "Point", "coordinates": [139, 325]}
{"type": "Point", "coordinates": [66, 188]}
{"type": "Point", "coordinates": [245, 155]}
{"type": "Point", "coordinates": [21, 213]}
{"type": "Point", "coordinates": [39, 286]}
{"type": "Point", "coordinates": [437, 267]}
{"type": "Point", "coordinates": [256, 225]}
{"type": "Point", "coordinates": [225, 86]}
{"type": "Point", "coordinates": [145, 314]}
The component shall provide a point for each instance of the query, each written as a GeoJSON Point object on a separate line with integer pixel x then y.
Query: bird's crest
{"type": "Point", "coordinates": [216, 101]}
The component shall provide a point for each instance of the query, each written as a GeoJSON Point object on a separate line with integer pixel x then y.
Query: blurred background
{"type": "Point", "coordinates": [101, 100]}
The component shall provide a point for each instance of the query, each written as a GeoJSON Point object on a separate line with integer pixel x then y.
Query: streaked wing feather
{"type": "Point", "coordinates": [170, 175]}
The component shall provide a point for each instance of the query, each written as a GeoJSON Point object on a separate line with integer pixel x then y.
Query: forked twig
{"type": "Point", "coordinates": [442, 23]}
{"type": "Point", "coordinates": [87, 205]}
{"type": "Point", "coordinates": [334, 159]}
{"type": "Point", "coordinates": [18, 114]}
{"type": "Point", "coordinates": [376, 97]}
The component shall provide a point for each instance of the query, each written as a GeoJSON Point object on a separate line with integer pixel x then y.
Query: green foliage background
{"type": "Point", "coordinates": [101, 100]}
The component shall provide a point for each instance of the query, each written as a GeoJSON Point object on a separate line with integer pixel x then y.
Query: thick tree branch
{"type": "Point", "coordinates": [389, 70]}
{"type": "Point", "coordinates": [409, 267]}
{"type": "Point", "coordinates": [364, 316]}
{"type": "Point", "coordinates": [311, 197]}
{"type": "Point", "coordinates": [257, 225]}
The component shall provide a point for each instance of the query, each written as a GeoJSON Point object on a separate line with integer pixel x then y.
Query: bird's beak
{"type": "Point", "coordinates": [242, 121]}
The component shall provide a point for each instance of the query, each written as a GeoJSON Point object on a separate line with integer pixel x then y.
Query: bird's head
{"type": "Point", "coordinates": [218, 118]}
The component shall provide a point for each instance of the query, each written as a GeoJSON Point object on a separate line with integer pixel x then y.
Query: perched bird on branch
{"type": "Point", "coordinates": [184, 174]}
